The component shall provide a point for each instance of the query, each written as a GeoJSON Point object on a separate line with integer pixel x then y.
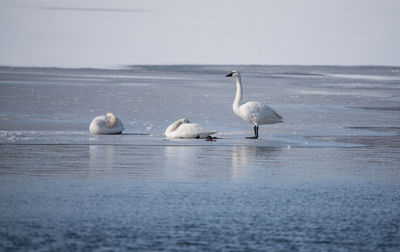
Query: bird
{"type": "Point", "coordinates": [106, 124]}
{"type": "Point", "coordinates": [254, 112]}
{"type": "Point", "coordinates": [183, 128]}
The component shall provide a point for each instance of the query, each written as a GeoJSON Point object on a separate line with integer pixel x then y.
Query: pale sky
{"type": "Point", "coordinates": [103, 33]}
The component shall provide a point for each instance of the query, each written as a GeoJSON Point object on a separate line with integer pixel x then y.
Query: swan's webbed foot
{"type": "Point", "coordinates": [255, 133]}
{"type": "Point", "coordinates": [252, 137]}
{"type": "Point", "coordinates": [210, 139]}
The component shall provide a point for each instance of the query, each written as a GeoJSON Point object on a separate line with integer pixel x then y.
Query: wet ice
{"type": "Point", "coordinates": [325, 179]}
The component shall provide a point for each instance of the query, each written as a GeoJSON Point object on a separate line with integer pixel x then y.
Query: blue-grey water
{"type": "Point", "coordinates": [327, 179]}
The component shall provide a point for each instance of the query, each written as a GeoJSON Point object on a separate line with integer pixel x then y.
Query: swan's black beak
{"type": "Point", "coordinates": [229, 75]}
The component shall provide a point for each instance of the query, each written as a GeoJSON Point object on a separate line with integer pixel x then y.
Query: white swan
{"type": "Point", "coordinates": [106, 124]}
{"type": "Point", "coordinates": [256, 113]}
{"type": "Point", "coordinates": [182, 128]}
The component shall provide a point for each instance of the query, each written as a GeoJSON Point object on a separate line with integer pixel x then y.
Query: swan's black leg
{"type": "Point", "coordinates": [255, 133]}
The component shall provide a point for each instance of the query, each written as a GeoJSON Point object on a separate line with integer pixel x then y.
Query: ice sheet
{"type": "Point", "coordinates": [325, 179]}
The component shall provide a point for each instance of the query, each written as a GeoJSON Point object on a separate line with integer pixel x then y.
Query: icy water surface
{"type": "Point", "coordinates": [327, 179]}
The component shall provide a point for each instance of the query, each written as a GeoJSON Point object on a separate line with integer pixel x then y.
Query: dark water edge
{"type": "Point", "coordinates": [201, 215]}
{"type": "Point", "coordinates": [327, 179]}
{"type": "Point", "coordinates": [180, 198]}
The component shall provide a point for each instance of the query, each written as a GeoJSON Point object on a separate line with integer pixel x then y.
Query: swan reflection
{"type": "Point", "coordinates": [252, 161]}
{"type": "Point", "coordinates": [101, 158]}
{"type": "Point", "coordinates": [185, 162]}
{"type": "Point", "coordinates": [126, 161]}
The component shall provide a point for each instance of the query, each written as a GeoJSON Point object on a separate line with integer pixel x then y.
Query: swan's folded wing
{"type": "Point", "coordinates": [189, 130]}
{"type": "Point", "coordinates": [98, 126]}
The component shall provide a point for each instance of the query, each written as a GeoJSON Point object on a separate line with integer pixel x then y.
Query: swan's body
{"type": "Point", "coordinates": [254, 112]}
{"type": "Point", "coordinates": [106, 124]}
{"type": "Point", "coordinates": [182, 128]}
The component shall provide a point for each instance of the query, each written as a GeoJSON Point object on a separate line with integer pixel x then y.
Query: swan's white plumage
{"type": "Point", "coordinates": [257, 113]}
{"type": "Point", "coordinates": [254, 112]}
{"type": "Point", "coordinates": [106, 124]}
{"type": "Point", "coordinates": [182, 128]}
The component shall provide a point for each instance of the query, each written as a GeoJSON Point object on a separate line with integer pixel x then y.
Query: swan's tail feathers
{"type": "Point", "coordinates": [206, 134]}
{"type": "Point", "coordinates": [279, 116]}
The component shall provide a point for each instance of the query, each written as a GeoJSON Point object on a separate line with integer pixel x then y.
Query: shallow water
{"type": "Point", "coordinates": [325, 179]}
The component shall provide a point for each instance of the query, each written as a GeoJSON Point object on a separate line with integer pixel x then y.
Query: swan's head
{"type": "Point", "coordinates": [234, 73]}
{"type": "Point", "coordinates": [112, 120]}
{"type": "Point", "coordinates": [111, 116]}
{"type": "Point", "coordinates": [183, 120]}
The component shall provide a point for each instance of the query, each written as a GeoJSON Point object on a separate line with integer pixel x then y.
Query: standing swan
{"type": "Point", "coordinates": [182, 128]}
{"type": "Point", "coordinates": [256, 113]}
{"type": "Point", "coordinates": [106, 124]}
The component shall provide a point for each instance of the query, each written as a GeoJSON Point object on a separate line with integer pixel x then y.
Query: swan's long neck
{"type": "Point", "coordinates": [173, 126]}
{"type": "Point", "coordinates": [239, 93]}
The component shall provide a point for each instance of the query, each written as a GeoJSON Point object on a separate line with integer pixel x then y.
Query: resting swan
{"type": "Point", "coordinates": [254, 112]}
{"type": "Point", "coordinates": [182, 128]}
{"type": "Point", "coordinates": [106, 124]}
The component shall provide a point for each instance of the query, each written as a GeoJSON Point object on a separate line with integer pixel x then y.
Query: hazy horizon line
{"type": "Point", "coordinates": [172, 65]}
